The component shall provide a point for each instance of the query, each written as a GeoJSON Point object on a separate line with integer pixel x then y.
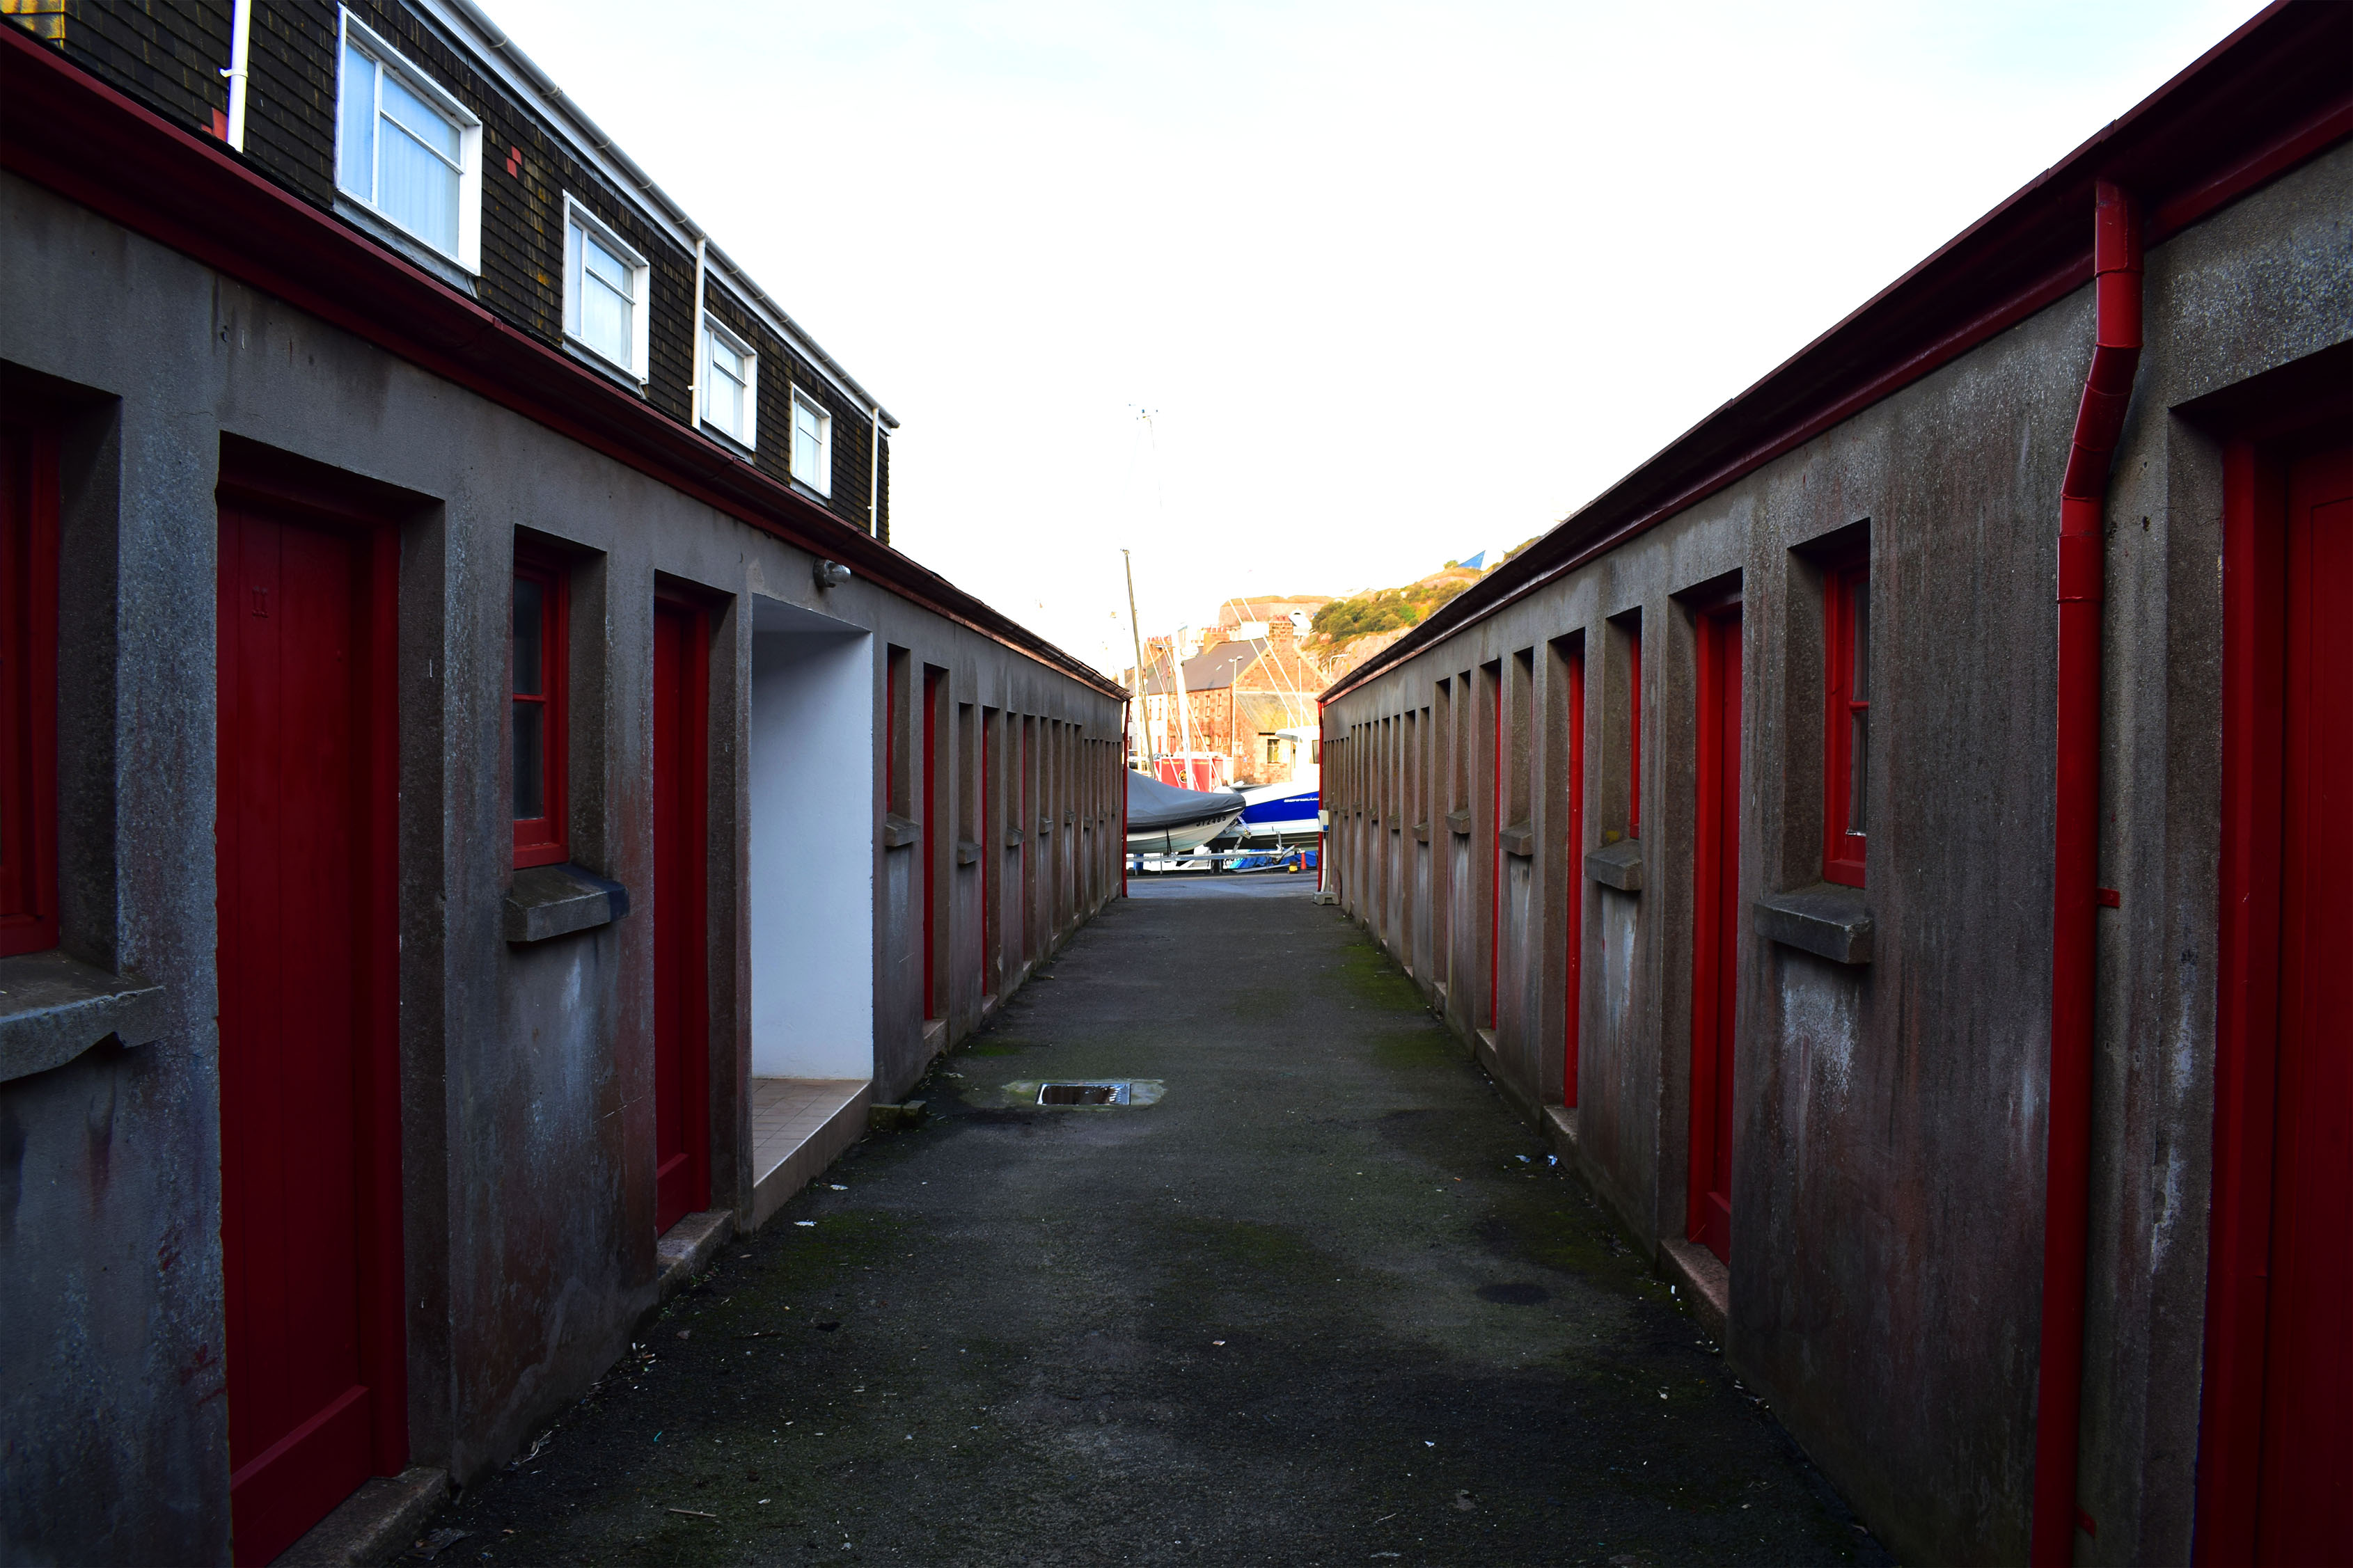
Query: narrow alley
{"type": "Point", "coordinates": [1323, 1302]}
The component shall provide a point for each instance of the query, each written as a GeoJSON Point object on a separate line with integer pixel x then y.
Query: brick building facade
{"type": "Point", "coordinates": [1240, 694]}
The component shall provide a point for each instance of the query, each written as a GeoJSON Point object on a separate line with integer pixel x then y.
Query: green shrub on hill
{"type": "Point", "coordinates": [1388, 610]}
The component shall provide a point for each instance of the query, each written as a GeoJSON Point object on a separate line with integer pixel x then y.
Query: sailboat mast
{"type": "Point", "coordinates": [1135, 632]}
{"type": "Point", "coordinates": [1184, 701]}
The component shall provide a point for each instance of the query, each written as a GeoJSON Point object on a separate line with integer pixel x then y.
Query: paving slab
{"type": "Point", "coordinates": [1325, 1300]}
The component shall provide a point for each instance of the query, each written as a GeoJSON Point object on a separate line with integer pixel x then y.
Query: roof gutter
{"type": "Point", "coordinates": [2074, 921]}
{"type": "Point", "coordinates": [1996, 273]}
{"type": "Point", "coordinates": [591, 132]}
{"type": "Point", "coordinates": [63, 128]}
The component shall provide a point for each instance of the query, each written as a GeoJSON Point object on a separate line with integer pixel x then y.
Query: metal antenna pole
{"type": "Point", "coordinates": [1136, 632]}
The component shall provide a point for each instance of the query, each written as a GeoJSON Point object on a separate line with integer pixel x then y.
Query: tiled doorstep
{"type": "Point", "coordinates": [799, 1126]}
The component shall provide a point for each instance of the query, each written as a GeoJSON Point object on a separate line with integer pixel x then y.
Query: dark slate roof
{"type": "Point", "coordinates": [1211, 670]}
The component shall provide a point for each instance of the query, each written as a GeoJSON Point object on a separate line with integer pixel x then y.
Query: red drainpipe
{"type": "Point", "coordinates": [2082, 509]}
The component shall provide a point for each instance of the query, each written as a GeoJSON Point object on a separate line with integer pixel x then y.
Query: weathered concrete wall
{"type": "Point", "coordinates": [525, 1070]}
{"type": "Point", "coordinates": [1887, 1194]}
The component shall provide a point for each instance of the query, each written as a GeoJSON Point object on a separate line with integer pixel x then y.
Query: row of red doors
{"type": "Point", "coordinates": [309, 1124]}
{"type": "Point", "coordinates": [2275, 1448]}
{"type": "Point", "coordinates": [1716, 886]}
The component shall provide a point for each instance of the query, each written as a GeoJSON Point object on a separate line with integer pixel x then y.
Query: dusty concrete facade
{"type": "Point", "coordinates": [526, 1185]}
{"type": "Point", "coordinates": [1887, 1188]}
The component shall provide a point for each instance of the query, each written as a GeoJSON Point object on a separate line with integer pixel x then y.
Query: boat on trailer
{"type": "Point", "coordinates": [1163, 820]}
{"type": "Point", "coordinates": [1274, 818]}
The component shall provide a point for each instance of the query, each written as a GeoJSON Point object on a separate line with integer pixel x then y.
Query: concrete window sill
{"type": "Point", "coordinates": [1459, 822]}
{"type": "Point", "coordinates": [898, 831]}
{"type": "Point", "coordinates": [968, 852]}
{"type": "Point", "coordinates": [53, 1008]}
{"type": "Point", "coordinates": [388, 235]}
{"type": "Point", "coordinates": [1618, 864]}
{"type": "Point", "coordinates": [549, 901]}
{"type": "Point", "coordinates": [1013, 839]}
{"type": "Point", "coordinates": [1520, 839]}
{"type": "Point", "coordinates": [1827, 920]}
{"type": "Point", "coordinates": [1421, 833]}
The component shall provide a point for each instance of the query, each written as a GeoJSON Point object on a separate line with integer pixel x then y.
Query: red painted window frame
{"type": "Point", "coordinates": [28, 688]}
{"type": "Point", "coordinates": [544, 840]}
{"type": "Point", "coordinates": [1843, 845]}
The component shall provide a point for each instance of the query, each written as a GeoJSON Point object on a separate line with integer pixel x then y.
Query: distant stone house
{"type": "Point", "coordinates": [1241, 693]}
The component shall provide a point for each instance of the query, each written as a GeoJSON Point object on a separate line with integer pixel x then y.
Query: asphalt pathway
{"type": "Point", "coordinates": [1325, 1302]}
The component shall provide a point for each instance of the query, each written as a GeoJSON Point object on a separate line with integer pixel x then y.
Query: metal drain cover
{"type": "Point", "coordinates": [1098, 1092]}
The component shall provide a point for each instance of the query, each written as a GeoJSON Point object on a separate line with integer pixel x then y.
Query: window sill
{"type": "Point", "coordinates": [1826, 919]}
{"type": "Point", "coordinates": [1618, 864]}
{"type": "Point", "coordinates": [53, 1008]}
{"type": "Point", "coordinates": [1520, 839]}
{"type": "Point", "coordinates": [549, 901]}
{"type": "Point", "coordinates": [968, 852]}
{"type": "Point", "coordinates": [898, 831]}
{"type": "Point", "coordinates": [1459, 822]}
{"type": "Point", "coordinates": [620, 375]}
{"type": "Point", "coordinates": [1013, 839]}
{"type": "Point", "coordinates": [386, 232]}
{"type": "Point", "coordinates": [1421, 833]}
{"type": "Point", "coordinates": [734, 446]}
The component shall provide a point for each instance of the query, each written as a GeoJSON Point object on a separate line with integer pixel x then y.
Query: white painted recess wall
{"type": "Point", "coordinates": [812, 850]}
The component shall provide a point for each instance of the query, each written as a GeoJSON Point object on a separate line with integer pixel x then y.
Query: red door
{"type": "Point", "coordinates": [1573, 983]}
{"type": "Point", "coordinates": [682, 971]}
{"type": "Point", "coordinates": [1716, 930]}
{"type": "Point", "coordinates": [2275, 1456]}
{"type": "Point", "coordinates": [931, 843]}
{"type": "Point", "coordinates": [1493, 686]}
{"type": "Point", "coordinates": [309, 1076]}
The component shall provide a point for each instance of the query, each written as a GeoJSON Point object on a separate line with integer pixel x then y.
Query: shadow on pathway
{"type": "Point", "coordinates": [1322, 1303]}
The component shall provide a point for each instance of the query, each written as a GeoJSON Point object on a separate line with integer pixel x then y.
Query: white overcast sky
{"type": "Point", "coordinates": [1397, 282]}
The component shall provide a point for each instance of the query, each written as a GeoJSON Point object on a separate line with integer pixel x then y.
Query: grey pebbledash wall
{"type": "Point", "coordinates": [1887, 1194]}
{"type": "Point", "coordinates": [525, 1070]}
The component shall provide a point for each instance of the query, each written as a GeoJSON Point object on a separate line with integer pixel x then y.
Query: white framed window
{"type": "Point", "coordinates": [731, 385]}
{"type": "Point", "coordinates": [603, 291]}
{"type": "Point", "coordinates": [812, 443]}
{"type": "Point", "coordinates": [405, 149]}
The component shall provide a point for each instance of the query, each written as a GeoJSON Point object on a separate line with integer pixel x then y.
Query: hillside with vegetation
{"type": "Point", "coordinates": [1348, 631]}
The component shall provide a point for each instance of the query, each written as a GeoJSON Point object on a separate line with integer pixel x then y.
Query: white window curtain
{"type": "Point", "coordinates": [607, 289]}
{"type": "Point", "coordinates": [729, 400]}
{"type": "Point", "coordinates": [812, 443]}
{"type": "Point", "coordinates": [400, 156]}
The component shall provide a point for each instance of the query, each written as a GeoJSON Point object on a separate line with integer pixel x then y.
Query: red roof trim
{"type": "Point", "coordinates": [2264, 99]}
{"type": "Point", "coordinates": [63, 128]}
